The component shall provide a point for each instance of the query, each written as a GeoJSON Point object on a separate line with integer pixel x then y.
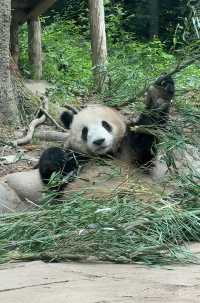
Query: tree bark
{"type": "Point", "coordinates": [153, 18]}
{"type": "Point", "coordinates": [14, 40]}
{"type": "Point", "coordinates": [35, 48]}
{"type": "Point", "coordinates": [8, 106]}
{"type": "Point", "coordinates": [98, 42]}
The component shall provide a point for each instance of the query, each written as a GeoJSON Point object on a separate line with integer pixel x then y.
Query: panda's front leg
{"type": "Point", "coordinates": [142, 136]}
{"type": "Point", "coordinates": [58, 160]}
{"type": "Point", "coordinates": [142, 147]}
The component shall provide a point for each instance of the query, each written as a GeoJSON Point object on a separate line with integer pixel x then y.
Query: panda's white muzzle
{"type": "Point", "coordinates": [99, 140]}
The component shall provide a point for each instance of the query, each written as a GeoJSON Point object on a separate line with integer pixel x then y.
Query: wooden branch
{"type": "Point", "coordinates": [183, 65]}
{"type": "Point", "coordinates": [52, 136]}
{"type": "Point", "coordinates": [98, 43]}
{"type": "Point", "coordinates": [141, 129]}
{"type": "Point", "coordinates": [31, 130]}
{"type": "Point", "coordinates": [177, 69]}
{"type": "Point", "coordinates": [43, 135]}
{"type": "Point", "coordinates": [52, 120]}
{"type": "Point", "coordinates": [35, 48]}
{"type": "Point", "coordinates": [32, 126]}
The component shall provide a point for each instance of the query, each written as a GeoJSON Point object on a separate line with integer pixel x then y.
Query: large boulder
{"type": "Point", "coordinates": [20, 191]}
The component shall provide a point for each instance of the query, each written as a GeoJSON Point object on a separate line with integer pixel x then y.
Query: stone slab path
{"type": "Point", "coordinates": [38, 282]}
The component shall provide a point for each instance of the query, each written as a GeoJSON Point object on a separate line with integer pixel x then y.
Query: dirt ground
{"type": "Point", "coordinates": [38, 282]}
{"type": "Point", "coordinates": [105, 178]}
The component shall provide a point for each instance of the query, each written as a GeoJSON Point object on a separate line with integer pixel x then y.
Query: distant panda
{"type": "Point", "coordinates": [101, 130]}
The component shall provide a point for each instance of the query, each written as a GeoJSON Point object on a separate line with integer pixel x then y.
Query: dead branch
{"type": "Point", "coordinates": [177, 69]}
{"type": "Point", "coordinates": [51, 136]}
{"type": "Point", "coordinates": [31, 130]}
{"type": "Point", "coordinates": [141, 129]}
{"type": "Point", "coordinates": [52, 120]}
{"type": "Point", "coordinates": [183, 65]}
{"type": "Point", "coordinates": [32, 126]}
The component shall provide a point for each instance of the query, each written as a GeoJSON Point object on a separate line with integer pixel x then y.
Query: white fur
{"type": "Point", "coordinates": [92, 117]}
{"type": "Point", "coordinates": [97, 131]}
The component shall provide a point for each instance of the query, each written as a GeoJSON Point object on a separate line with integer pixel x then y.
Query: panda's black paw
{"type": "Point", "coordinates": [57, 160]}
{"type": "Point", "coordinates": [166, 83]}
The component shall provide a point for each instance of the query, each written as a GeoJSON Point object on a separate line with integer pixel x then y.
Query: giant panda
{"type": "Point", "coordinates": [96, 130]}
{"type": "Point", "coordinates": [99, 130]}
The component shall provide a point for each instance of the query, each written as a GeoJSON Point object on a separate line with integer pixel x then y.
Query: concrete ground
{"type": "Point", "coordinates": [38, 282]}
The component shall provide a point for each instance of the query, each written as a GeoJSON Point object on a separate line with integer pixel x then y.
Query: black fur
{"type": "Point", "coordinates": [158, 101]}
{"type": "Point", "coordinates": [155, 115]}
{"type": "Point", "coordinates": [55, 159]}
{"type": "Point", "coordinates": [67, 118]}
{"type": "Point", "coordinates": [142, 146]}
{"type": "Point", "coordinates": [166, 86]}
{"type": "Point", "coordinates": [84, 134]}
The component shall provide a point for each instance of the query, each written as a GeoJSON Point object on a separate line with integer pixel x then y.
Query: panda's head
{"type": "Point", "coordinates": [95, 129]}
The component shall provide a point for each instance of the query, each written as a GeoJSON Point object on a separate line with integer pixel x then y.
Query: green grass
{"type": "Point", "coordinates": [66, 60]}
{"type": "Point", "coordinates": [119, 229]}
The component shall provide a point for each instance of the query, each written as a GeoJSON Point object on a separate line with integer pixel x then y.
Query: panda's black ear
{"type": "Point", "coordinates": [67, 118]}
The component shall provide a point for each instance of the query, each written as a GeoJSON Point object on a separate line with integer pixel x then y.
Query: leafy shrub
{"type": "Point", "coordinates": [66, 59]}
{"type": "Point", "coordinates": [131, 65]}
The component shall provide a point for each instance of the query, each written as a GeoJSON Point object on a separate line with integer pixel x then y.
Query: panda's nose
{"type": "Point", "coordinates": [99, 141]}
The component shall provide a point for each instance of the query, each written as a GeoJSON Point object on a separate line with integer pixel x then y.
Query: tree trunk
{"type": "Point", "coordinates": [8, 106]}
{"type": "Point", "coordinates": [14, 40]}
{"type": "Point", "coordinates": [153, 18]}
{"type": "Point", "coordinates": [35, 48]}
{"type": "Point", "coordinates": [98, 42]}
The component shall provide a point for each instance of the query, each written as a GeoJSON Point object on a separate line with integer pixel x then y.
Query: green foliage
{"type": "Point", "coordinates": [187, 29]}
{"type": "Point", "coordinates": [66, 59]}
{"type": "Point", "coordinates": [114, 24]}
{"type": "Point", "coordinates": [119, 229]}
{"type": "Point", "coordinates": [132, 16]}
{"type": "Point", "coordinates": [23, 52]}
{"type": "Point", "coordinates": [132, 67]}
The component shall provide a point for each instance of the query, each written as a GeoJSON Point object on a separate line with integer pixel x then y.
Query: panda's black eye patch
{"type": "Point", "coordinates": [107, 126]}
{"type": "Point", "coordinates": [84, 133]}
